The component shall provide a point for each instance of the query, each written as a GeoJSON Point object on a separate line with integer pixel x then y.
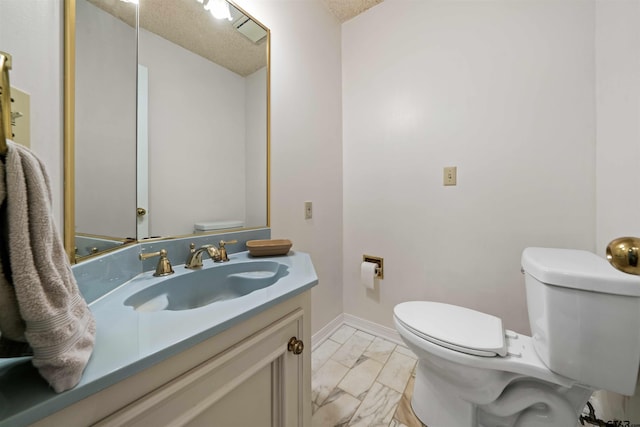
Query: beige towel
{"type": "Point", "coordinates": [53, 317]}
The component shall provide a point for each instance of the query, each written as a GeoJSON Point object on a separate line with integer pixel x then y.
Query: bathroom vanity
{"type": "Point", "coordinates": [235, 361]}
{"type": "Point", "coordinates": [245, 376]}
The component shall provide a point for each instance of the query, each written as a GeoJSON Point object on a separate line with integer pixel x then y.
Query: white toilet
{"type": "Point", "coordinates": [585, 321]}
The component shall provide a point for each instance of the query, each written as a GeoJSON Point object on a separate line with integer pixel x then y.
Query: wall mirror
{"type": "Point", "coordinates": [171, 120]}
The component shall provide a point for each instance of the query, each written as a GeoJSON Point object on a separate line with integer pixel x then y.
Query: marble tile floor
{"type": "Point", "coordinates": [362, 380]}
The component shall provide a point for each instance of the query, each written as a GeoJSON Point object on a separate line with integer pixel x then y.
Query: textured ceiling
{"type": "Point", "coordinates": [187, 24]}
{"type": "Point", "coordinates": [344, 10]}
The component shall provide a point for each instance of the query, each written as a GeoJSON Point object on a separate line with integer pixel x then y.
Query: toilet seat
{"type": "Point", "coordinates": [521, 357]}
{"type": "Point", "coordinates": [456, 328]}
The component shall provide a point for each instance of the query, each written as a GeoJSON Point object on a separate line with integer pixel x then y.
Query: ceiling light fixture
{"type": "Point", "coordinates": [218, 8]}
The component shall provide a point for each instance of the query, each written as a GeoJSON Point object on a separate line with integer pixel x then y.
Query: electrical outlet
{"type": "Point", "coordinates": [450, 173]}
{"type": "Point", "coordinates": [308, 210]}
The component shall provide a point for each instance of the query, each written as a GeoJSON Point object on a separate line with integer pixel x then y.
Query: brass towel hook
{"type": "Point", "coordinates": [5, 101]}
{"type": "Point", "coordinates": [623, 253]}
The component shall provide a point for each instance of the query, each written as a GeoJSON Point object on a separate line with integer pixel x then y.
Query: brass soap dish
{"type": "Point", "coordinates": [623, 253]}
{"type": "Point", "coordinates": [269, 247]}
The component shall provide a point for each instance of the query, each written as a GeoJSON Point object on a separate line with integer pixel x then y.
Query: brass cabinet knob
{"type": "Point", "coordinates": [141, 211]}
{"type": "Point", "coordinates": [295, 345]}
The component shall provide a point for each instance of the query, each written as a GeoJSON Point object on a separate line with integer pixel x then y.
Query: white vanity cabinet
{"type": "Point", "coordinates": [247, 375]}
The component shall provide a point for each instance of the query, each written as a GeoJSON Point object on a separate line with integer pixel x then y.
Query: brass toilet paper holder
{"type": "Point", "coordinates": [375, 260]}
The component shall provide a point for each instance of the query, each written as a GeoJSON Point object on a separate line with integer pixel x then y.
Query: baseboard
{"type": "Point", "coordinates": [388, 334]}
{"type": "Point", "coordinates": [372, 328]}
{"type": "Point", "coordinates": [326, 331]}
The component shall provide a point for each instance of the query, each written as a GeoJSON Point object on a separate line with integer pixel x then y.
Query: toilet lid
{"type": "Point", "coordinates": [456, 328]}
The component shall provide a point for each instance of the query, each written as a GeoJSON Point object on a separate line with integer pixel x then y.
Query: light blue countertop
{"type": "Point", "coordinates": [128, 341]}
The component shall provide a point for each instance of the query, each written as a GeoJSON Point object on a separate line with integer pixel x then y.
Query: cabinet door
{"type": "Point", "coordinates": [257, 382]}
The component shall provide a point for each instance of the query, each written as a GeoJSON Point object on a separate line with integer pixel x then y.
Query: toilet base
{"type": "Point", "coordinates": [434, 407]}
{"type": "Point", "coordinates": [522, 402]}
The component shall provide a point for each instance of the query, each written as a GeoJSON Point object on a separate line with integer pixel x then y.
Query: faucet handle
{"type": "Point", "coordinates": [164, 265]}
{"type": "Point", "coordinates": [228, 242]}
{"type": "Point", "coordinates": [223, 251]}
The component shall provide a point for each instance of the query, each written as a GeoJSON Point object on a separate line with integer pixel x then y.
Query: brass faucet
{"type": "Point", "coordinates": [194, 261]}
{"type": "Point", "coordinates": [164, 266]}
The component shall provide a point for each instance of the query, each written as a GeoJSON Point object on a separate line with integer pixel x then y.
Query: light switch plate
{"type": "Point", "coordinates": [308, 210]}
{"type": "Point", "coordinates": [450, 177]}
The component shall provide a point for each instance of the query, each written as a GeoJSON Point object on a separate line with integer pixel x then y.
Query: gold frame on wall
{"type": "Point", "coordinates": [69, 127]}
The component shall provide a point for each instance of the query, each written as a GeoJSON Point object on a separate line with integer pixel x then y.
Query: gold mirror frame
{"type": "Point", "coordinates": [69, 130]}
{"type": "Point", "coordinates": [69, 163]}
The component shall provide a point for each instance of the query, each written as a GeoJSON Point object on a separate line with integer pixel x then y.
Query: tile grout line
{"type": "Point", "coordinates": [349, 369]}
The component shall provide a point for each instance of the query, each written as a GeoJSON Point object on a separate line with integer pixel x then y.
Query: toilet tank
{"type": "Point", "coordinates": [206, 226]}
{"type": "Point", "coordinates": [584, 316]}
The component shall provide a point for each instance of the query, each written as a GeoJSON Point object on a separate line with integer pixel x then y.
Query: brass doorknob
{"type": "Point", "coordinates": [624, 254]}
{"type": "Point", "coordinates": [141, 211]}
{"type": "Point", "coordinates": [295, 345]}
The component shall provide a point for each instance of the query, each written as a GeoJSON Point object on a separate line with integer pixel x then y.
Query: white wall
{"type": "Point", "coordinates": [31, 31]}
{"type": "Point", "coordinates": [617, 44]}
{"type": "Point", "coordinates": [618, 120]}
{"type": "Point", "coordinates": [196, 138]}
{"type": "Point", "coordinates": [504, 91]}
{"type": "Point", "coordinates": [105, 136]}
{"type": "Point", "coordinates": [306, 149]}
{"type": "Point", "coordinates": [256, 152]}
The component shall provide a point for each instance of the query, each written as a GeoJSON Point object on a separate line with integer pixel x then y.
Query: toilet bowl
{"type": "Point", "coordinates": [474, 372]}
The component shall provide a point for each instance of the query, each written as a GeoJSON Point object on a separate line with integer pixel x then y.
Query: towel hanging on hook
{"type": "Point", "coordinates": [5, 102]}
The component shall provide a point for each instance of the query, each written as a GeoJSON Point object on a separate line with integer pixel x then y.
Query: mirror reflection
{"type": "Point", "coordinates": [199, 89]}
{"type": "Point", "coordinates": [105, 127]}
